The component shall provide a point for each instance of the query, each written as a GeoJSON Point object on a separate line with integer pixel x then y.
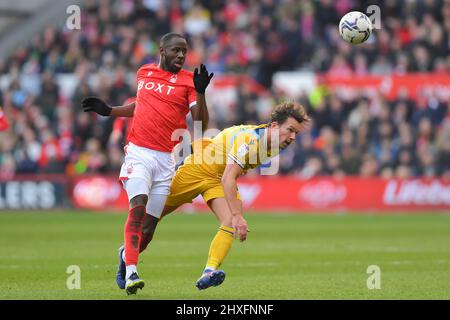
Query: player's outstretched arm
{"type": "Point", "coordinates": [229, 183]}
{"type": "Point", "coordinates": [100, 107]}
{"type": "Point", "coordinates": [201, 82]}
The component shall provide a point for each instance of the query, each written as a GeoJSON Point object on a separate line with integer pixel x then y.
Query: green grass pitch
{"type": "Point", "coordinates": [286, 256]}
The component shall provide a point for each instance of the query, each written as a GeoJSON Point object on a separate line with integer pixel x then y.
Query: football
{"type": "Point", "coordinates": [355, 27]}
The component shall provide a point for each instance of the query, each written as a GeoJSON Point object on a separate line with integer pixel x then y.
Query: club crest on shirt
{"type": "Point", "coordinates": [130, 168]}
{"type": "Point", "coordinates": [173, 78]}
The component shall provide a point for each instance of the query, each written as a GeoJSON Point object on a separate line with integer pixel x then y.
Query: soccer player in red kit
{"type": "Point", "coordinates": [165, 95]}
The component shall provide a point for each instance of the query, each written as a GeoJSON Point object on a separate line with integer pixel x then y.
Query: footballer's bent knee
{"type": "Point", "coordinates": [139, 200]}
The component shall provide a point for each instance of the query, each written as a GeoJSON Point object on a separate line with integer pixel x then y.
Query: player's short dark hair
{"type": "Point", "coordinates": [165, 39]}
{"type": "Point", "coordinates": [287, 110]}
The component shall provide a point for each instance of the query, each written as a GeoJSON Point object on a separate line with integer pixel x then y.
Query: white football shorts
{"type": "Point", "coordinates": [149, 172]}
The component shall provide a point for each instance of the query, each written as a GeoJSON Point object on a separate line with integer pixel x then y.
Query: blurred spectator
{"type": "Point", "coordinates": [313, 167]}
{"type": "Point", "coordinates": [369, 166]}
{"type": "Point", "coordinates": [50, 158]}
{"type": "Point", "coordinates": [49, 96]}
{"type": "Point", "coordinates": [4, 123]}
{"type": "Point", "coordinates": [196, 20]}
{"type": "Point", "coordinates": [443, 152]}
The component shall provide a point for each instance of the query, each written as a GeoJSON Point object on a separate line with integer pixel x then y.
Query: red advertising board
{"type": "Point", "coordinates": [98, 193]}
{"type": "Point", "coordinates": [296, 195]}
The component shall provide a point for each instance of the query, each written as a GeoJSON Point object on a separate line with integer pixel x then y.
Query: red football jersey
{"type": "Point", "coordinates": [163, 101]}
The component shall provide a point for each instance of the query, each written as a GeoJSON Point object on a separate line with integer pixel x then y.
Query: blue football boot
{"type": "Point", "coordinates": [133, 283]}
{"type": "Point", "coordinates": [210, 278]}
{"type": "Point", "coordinates": [122, 270]}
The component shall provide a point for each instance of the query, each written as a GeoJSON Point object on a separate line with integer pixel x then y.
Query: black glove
{"type": "Point", "coordinates": [201, 79]}
{"type": "Point", "coordinates": [97, 105]}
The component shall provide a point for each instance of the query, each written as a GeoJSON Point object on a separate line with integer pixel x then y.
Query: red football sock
{"type": "Point", "coordinates": [133, 234]}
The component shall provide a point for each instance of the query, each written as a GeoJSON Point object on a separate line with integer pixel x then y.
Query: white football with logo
{"type": "Point", "coordinates": [355, 27]}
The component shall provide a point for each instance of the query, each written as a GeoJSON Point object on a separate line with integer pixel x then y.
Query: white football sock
{"type": "Point", "coordinates": [130, 270]}
{"type": "Point", "coordinates": [208, 268]}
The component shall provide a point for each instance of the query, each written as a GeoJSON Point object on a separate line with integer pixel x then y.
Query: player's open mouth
{"type": "Point", "coordinates": [178, 64]}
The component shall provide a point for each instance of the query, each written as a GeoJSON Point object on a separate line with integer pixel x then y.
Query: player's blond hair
{"type": "Point", "coordinates": [285, 110]}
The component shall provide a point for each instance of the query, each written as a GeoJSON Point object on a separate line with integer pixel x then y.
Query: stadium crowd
{"type": "Point", "coordinates": [367, 136]}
